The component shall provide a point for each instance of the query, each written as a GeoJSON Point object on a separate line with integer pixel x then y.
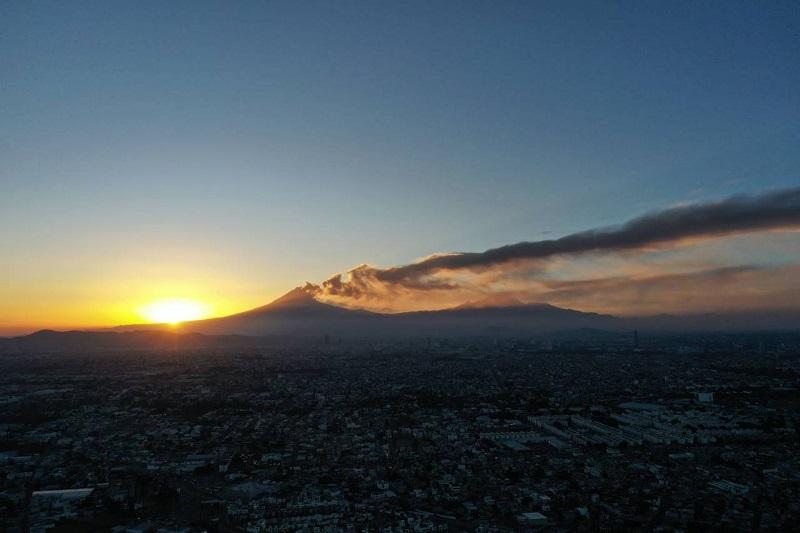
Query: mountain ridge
{"type": "Point", "coordinates": [299, 317]}
{"type": "Point", "coordinates": [300, 313]}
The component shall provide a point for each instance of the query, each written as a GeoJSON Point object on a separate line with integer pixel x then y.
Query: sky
{"type": "Point", "coordinates": [226, 152]}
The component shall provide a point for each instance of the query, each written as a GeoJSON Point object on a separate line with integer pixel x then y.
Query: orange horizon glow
{"type": "Point", "coordinates": [102, 303]}
{"type": "Point", "coordinates": [119, 291]}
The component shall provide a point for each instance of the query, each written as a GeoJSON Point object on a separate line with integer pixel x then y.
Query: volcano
{"type": "Point", "coordinates": [299, 313]}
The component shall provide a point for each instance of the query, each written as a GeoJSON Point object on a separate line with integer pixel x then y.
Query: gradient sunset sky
{"type": "Point", "coordinates": [227, 152]}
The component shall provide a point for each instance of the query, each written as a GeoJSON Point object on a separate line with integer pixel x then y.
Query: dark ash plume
{"type": "Point", "coordinates": [735, 215]}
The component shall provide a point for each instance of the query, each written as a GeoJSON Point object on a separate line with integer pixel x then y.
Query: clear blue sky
{"type": "Point", "coordinates": [269, 143]}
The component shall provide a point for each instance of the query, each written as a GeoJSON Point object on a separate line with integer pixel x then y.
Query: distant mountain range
{"type": "Point", "coordinates": [298, 315]}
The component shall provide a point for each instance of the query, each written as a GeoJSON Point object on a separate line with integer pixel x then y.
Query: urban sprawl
{"type": "Point", "coordinates": [666, 433]}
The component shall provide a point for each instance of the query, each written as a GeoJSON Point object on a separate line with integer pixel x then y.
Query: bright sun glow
{"type": "Point", "coordinates": [174, 310]}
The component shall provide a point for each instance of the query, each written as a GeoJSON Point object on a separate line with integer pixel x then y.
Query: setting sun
{"type": "Point", "coordinates": [175, 310]}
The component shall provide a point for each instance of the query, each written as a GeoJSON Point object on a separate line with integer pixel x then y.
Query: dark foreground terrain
{"type": "Point", "coordinates": [691, 434]}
